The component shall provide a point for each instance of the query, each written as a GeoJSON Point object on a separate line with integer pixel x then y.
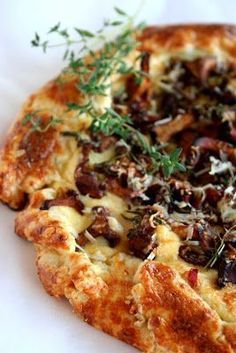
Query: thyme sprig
{"type": "Point", "coordinates": [94, 72]}
{"type": "Point", "coordinates": [36, 122]}
{"type": "Point", "coordinates": [220, 247]}
{"type": "Point", "coordinates": [111, 123]}
{"type": "Point", "coordinates": [114, 49]}
{"type": "Point", "coordinates": [216, 254]}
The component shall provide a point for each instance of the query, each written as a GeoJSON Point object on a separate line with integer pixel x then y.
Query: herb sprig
{"type": "Point", "coordinates": [94, 74]}
{"type": "Point", "coordinates": [36, 122]}
{"type": "Point", "coordinates": [111, 123]}
{"type": "Point", "coordinates": [216, 254]}
{"type": "Point", "coordinates": [220, 247]}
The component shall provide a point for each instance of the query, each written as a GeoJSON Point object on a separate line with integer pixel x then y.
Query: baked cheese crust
{"type": "Point", "coordinates": [149, 302]}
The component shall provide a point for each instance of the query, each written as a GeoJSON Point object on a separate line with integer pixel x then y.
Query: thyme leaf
{"type": "Point", "coordinates": [220, 247]}
{"type": "Point", "coordinates": [120, 11]}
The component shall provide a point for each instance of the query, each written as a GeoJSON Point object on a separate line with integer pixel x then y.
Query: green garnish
{"type": "Point", "coordinates": [220, 247]}
{"type": "Point", "coordinates": [94, 80]}
{"type": "Point", "coordinates": [37, 124]}
{"type": "Point", "coordinates": [216, 254]}
{"type": "Point", "coordinates": [112, 123]}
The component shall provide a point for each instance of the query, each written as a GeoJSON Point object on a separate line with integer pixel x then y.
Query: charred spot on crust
{"type": "Point", "coordinates": [38, 146]}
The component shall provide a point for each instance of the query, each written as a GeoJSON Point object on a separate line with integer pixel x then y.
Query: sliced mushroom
{"type": "Point", "coordinates": [101, 226]}
{"type": "Point", "coordinates": [70, 199]}
{"type": "Point", "coordinates": [193, 254]}
{"type": "Point", "coordinates": [141, 117]}
{"type": "Point", "coordinates": [88, 183]}
{"type": "Point", "coordinates": [227, 272]}
{"type": "Point", "coordinates": [142, 239]}
{"type": "Point", "coordinates": [202, 68]}
{"type": "Point", "coordinates": [214, 145]}
{"type": "Point", "coordinates": [145, 62]}
{"type": "Point", "coordinates": [140, 91]}
{"type": "Point", "coordinates": [165, 131]}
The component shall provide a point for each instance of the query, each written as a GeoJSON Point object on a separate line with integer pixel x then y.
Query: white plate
{"type": "Point", "coordinates": [30, 320]}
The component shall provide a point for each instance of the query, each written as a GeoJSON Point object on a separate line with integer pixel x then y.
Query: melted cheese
{"type": "Point", "coordinates": [67, 163]}
{"type": "Point", "coordinates": [100, 253]}
{"type": "Point", "coordinates": [100, 250]}
{"type": "Point", "coordinates": [74, 223]}
{"type": "Point", "coordinates": [95, 157]}
{"type": "Point", "coordinates": [114, 203]}
{"type": "Point", "coordinates": [70, 219]}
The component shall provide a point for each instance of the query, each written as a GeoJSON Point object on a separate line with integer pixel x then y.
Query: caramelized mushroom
{"type": "Point", "coordinates": [101, 227]}
{"type": "Point", "coordinates": [88, 183]}
{"type": "Point", "coordinates": [70, 199]}
{"type": "Point", "coordinates": [142, 239]}
{"type": "Point", "coordinates": [143, 90]}
{"type": "Point", "coordinates": [227, 272]}
{"type": "Point", "coordinates": [201, 68]}
{"type": "Point", "coordinates": [214, 145]}
{"type": "Point", "coordinates": [166, 131]}
{"type": "Point", "coordinates": [193, 254]}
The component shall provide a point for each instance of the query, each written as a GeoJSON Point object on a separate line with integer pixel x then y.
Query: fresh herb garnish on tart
{"type": "Point", "coordinates": [94, 73]}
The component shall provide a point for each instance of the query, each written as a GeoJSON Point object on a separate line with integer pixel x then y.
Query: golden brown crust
{"type": "Point", "coordinates": [25, 159]}
{"type": "Point", "coordinates": [112, 311]}
{"type": "Point", "coordinates": [149, 306]}
{"type": "Point", "coordinates": [204, 37]}
{"type": "Point", "coordinates": [53, 233]}
{"type": "Point", "coordinates": [62, 92]}
{"type": "Point", "coordinates": [28, 159]}
{"type": "Point", "coordinates": [179, 319]}
{"type": "Point", "coordinates": [230, 334]}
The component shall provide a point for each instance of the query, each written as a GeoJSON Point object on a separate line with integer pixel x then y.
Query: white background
{"type": "Point", "coordinates": [30, 320]}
